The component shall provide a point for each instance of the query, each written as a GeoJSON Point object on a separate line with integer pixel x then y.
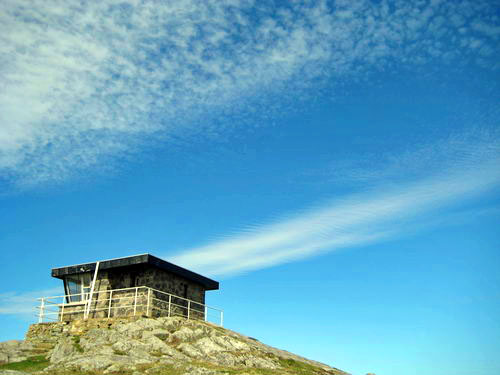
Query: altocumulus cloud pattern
{"type": "Point", "coordinates": [86, 82]}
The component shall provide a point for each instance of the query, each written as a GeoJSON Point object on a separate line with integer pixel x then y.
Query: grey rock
{"type": "Point", "coordinates": [94, 363]}
{"type": "Point", "coordinates": [124, 346]}
{"type": "Point", "coordinates": [15, 351]}
{"type": "Point", "coordinates": [161, 333]}
{"type": "Point", "coordinates": [95, 337]}
{"type": "Point", "coordinates": [190, 350]}
{"type": "Point", "coordinates": [225, 359]}
{"type": "Point", "coordinates": [63, 350]}
{"type": "Point", "coordinates": [170, 324]}
{"type": "Point", "coordinates": [11, 344]}
{"type": "Point", "coordinates": [182, 335]}
{"type": "Point", "coordinates": [157, 346]}
{"type": "Point", "coordinates": [110, 346]}
{"type": "Point", "coordinates": [260, 362]}
{"type": "Point", "coordinates": [231, 343]}
{"type": "Point", "coordinates": [140, 355]}
{"type": "Point", "coordinates": [194, 370]}
{"type": "Point", "coordinates": [207, 346]}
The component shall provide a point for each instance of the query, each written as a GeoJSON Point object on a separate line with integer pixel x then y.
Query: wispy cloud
{"type": "Point", "coordinates": [23, 304]}
{"type": "Point", "coordinates": [453, 173]}
{"type": "Point", "coordinates": [380, 214]}
{"type": "Point", "coordinates": [83, 83]}
{"type": "Point", "coordinates": [415, 161]}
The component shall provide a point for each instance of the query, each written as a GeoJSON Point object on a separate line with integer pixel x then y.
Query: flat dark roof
{"type": "Point", "coordinates": [209, 284]}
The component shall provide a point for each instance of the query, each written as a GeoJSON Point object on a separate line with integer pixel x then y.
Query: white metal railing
{"type": "Point", "coordinates": [124, 302]}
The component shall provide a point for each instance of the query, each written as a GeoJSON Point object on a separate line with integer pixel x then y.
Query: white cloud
{"type": "Point", "coordinates": [380, 214]}
{"type": "Point", "coordinates": [486, 29]}
{"type": "Point", "coordinates": [24, 303]}
{"type": "Point", "coordinates": [83, 82]}
{"type": "Point", "coordinates": [421, 160]}
{"type": "Point", "coordinates": [457, 170]}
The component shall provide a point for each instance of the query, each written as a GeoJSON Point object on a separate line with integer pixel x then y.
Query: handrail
{"type": "Point", "coordinates": [109, 290]}
{"type": "Point", "coordinates": [112, 303]}
{"type": "Point", "coordinates": [199, 303]}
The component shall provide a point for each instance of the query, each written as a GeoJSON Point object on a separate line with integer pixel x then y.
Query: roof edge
{"type": "Point", "coordinates": [132, 260]}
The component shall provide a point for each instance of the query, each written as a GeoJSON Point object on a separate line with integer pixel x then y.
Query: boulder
{"type": "Point", "coordinates": [15, 351]}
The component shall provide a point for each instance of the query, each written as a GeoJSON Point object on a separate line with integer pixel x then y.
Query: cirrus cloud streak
{"type": "Point", "coordinates": [381, 214]}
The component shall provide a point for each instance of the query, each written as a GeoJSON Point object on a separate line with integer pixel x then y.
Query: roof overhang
{"type": "Point", "coordinates": [148, 259]}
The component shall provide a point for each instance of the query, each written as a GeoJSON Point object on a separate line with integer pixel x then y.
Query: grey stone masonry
{"type": "Point", "coordinates": [107, 301]}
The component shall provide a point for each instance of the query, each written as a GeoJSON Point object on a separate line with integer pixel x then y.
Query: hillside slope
{"type": "Point", "coordinates": [147, 346]}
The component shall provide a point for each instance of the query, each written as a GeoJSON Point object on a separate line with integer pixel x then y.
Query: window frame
{"type": "Point", "coordinates": [82, 282]}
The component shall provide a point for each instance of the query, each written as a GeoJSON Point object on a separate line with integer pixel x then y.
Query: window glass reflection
{"type": "Point", "coordinates": [78, 287]}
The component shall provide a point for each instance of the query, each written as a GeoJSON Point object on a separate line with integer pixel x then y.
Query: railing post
{"type": "Point", "coordinates": [138, 305]}
{"type": "Point", "coordinates": [42, 307]}
{"type": "Point", "coordinates": [135, 300]}
{"type": "Point", "coordinates": [149, 297]}
{"type": "Point", "coordinates": [62, 311]}
{"type": "Point", "coordinates": [110, 299]}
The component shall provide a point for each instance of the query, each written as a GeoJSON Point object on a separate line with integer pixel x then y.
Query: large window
{"type": "Point", "coordinates": [77, 287]}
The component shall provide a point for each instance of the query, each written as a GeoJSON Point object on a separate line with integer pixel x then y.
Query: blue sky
{"type": "Point", "coordinates": [335, 165]}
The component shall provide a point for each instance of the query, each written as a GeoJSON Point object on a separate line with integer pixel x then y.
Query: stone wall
{"type": "Point", "coordinates": [50, 333]}
{"type": "Point", "coordinates": [167, 282]}
{"type": "Point", "coordinates": [122, 303]}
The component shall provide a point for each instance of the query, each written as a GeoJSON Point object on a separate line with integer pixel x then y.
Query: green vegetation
{"type": "Point", "coordinates": [246, 358]}
{"type": "Point", "coordinates": [31, 364]}
{"type": "Point", "coordinates": [290, 366]}
{"type": "Point", "coordinates": [170, 370]}
{"type": "Point", "coordinates": [76, 344]}
{"type": "Point", "coordinates": [300, 368]}
{"type": "Point", "coordinates": [220, 329]}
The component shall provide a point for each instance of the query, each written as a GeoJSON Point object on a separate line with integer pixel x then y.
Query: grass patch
{"type": "Point", "coordinates": [76, 344]}
{"type": "Point", "coordinates": [301, 368]}
{"type": "Point", "coordinates": [167, 370]}
{"type": "Point", "coordinates": [243, 370]}
{"type": "Point", "coordinates": [220, 329]}
{"type": "Point", "coordinates": [36, 363]}
{"type": "Point", "coordinates": [290, 366]}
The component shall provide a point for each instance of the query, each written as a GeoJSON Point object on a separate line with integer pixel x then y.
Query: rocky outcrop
{"type": "Point", "coordinates": [14, 351]}
{"type": "Point", "coordinates": [151, 345]}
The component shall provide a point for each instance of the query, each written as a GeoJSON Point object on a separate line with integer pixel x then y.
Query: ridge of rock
{"type": "Point", "coordinates": [151, 346]}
